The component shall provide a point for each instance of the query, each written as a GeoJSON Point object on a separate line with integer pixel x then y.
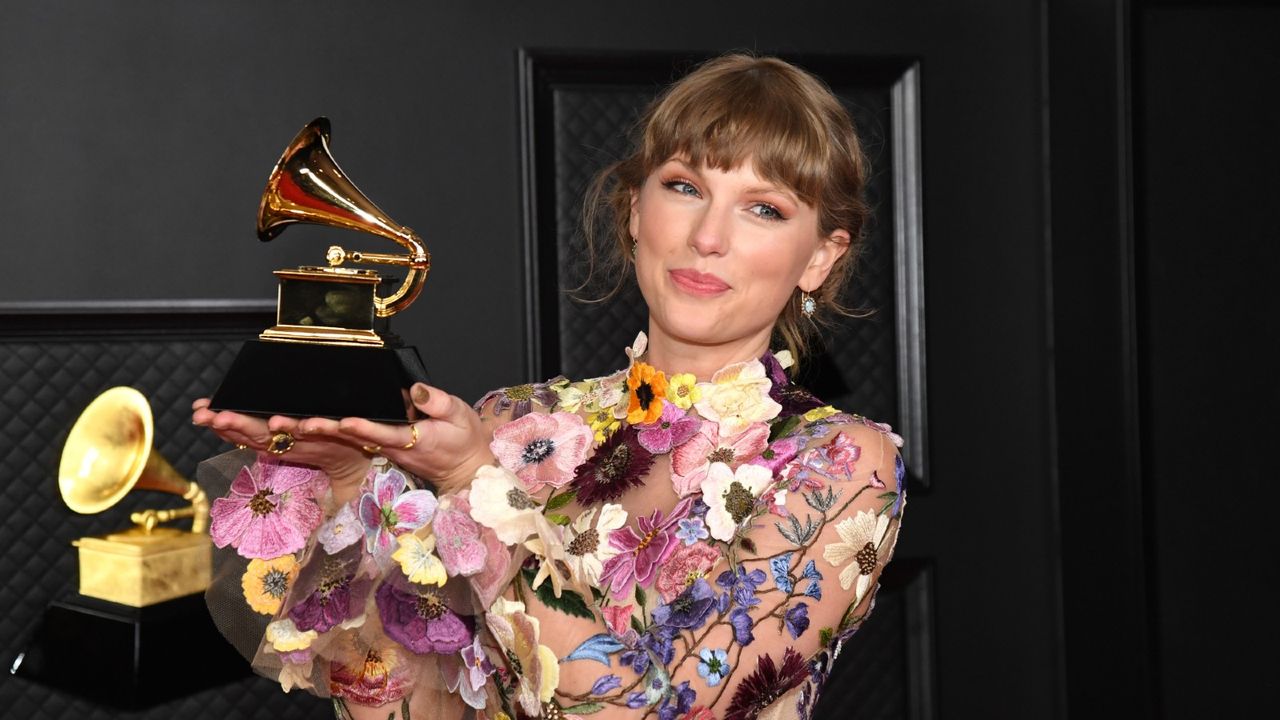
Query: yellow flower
{"type": "Point", "coordinates": [819, 413]}
{"type": "Point", "coordinates": [648, 386]}
{"type": "Point", "coordinates": [603, 423]}
{"type": "Point", "coordinates": [418, 561]}
{"type": "Point", "coordinates": [266, 582]}
{"type": "Point", "coordinates": [683, 391]}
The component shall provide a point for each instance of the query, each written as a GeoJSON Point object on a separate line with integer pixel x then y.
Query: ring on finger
{"type": "Point", "coordinates": [371, 449]}
{"type": "Point", "coordinates": [281, 443]}
{"type": "Point", "coordinates": [413, 428]}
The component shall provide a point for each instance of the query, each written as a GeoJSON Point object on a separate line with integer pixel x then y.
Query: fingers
{"type": "Point", "coordinates": [200, 403]}
{"type": "Point", "coordinates": [387, 437]}
{"type": "Point", "coordinates": [434, 402]}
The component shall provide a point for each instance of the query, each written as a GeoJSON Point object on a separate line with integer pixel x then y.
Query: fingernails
{"type": "Point", "coordinates": [420, 394]}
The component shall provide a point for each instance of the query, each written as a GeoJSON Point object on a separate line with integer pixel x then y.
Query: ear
{"type": "Point", "coordinates": [829, 250]}
{"type": "Point", "coordinates": [633, 221]}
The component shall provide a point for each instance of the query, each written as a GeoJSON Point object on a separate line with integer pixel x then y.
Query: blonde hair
{"type": "Point", "coordinates": [729, 109]}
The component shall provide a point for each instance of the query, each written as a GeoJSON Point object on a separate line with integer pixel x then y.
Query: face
{"type": "Point", "coordinates": [719, 254]}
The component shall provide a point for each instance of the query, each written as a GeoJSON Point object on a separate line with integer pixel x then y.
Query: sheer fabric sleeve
{"type": "Point", "coordinates": [801, 580]}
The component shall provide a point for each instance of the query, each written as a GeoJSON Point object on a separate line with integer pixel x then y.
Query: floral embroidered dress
{"type": "Point", "coordinates": [645, 546]}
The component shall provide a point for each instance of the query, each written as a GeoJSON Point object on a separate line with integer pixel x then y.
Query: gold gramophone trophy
{"type": "Point", "coordinates": [330, 353]}
{"type": "Point", "coordinates": [107, 455]}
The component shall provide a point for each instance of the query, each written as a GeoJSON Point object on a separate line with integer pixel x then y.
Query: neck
{"type": "Point", "coordinates": [672, 355]}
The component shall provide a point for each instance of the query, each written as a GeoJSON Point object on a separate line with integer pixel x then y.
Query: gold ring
{"type": "Point", "coordinates": [371, 449]}
{"type": "Point", "coordinates": [241, 447]}
{"type": "Point", "coordinates": [281, 443]}
{"type": "Point", "coordinates": [413, 428]}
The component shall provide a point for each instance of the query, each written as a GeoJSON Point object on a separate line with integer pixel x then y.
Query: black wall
{"type": "Point", "coordinates": [1078, 278]}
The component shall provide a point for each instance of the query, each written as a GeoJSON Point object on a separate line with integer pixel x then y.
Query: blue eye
{"type": "Point", "coordinates": [766, 211]}
{"type": "Point", "coordinates": [682, 186]}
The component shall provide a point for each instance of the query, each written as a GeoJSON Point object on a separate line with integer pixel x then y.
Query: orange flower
{"type": "Point", "coordinates": [266, 582]}
{"type": "Point", "coordinates": [648, 386]}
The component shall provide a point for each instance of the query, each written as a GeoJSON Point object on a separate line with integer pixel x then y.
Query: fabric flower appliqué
{"type": "Point", "coordinates": [586, 549]}
{"type": "Point", "coordinates": [690, 461]}
{"type": "Point", "coordinates": [672, 429]}
{"type": "Point", "coordinates": [682, 390]}
{"type": "Point", "coordinates": [641, 551]}
{"type": "Point", "coordinates": [765, 684]}
{"type": "Point", "coordinates": [731, 497]}
{"type": "Point", "coordinates": [648, 387]}
{"type": "Point", "coordinates": [460, 547]}
{"type": "Point", "coordinates": [390, 511]}
{"type": "Point", "coordinates": [519, 399]}
{"type": "Point", "coordinates": [714, 665]}
{"type": "Point", "coordinates": [686, 565]}
{"type": "Point", "coordinates": [269, 512]}
{"type": "Point", "coordinates": [419, 618]}
{"type": "Point", "coordinates": [861, 536]}
{"type": "Point", "coordinates": [542, 449]}
{"type": "Point", "coordinates": [737, 396]}
{"type": "Point", "coordinates": [341, 531]}
{"type": "Point", "coordinates": [617, 466]}
{"type": "Point", "coordinates": [418, 560]}
{"type": "Point", "coordinates": [266, 582]}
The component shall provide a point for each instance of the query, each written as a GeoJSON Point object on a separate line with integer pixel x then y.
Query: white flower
{"type": "Point", "coordinates": [284, 636]}
{"type": "Point", "coordinates": [863, 536]}
{"type": "Point", "coordinates": [737, 396]}
{"type": "Point", "coordinates": [731, 496]}
{"type": "Point", "coordinates": [586, 549]}
{"type": "Point", "coordinates": [548, 546]}
{"type": "Point", "coordinates": [341, 531]}
{"type": "Point", "coordinates": [498, 502]}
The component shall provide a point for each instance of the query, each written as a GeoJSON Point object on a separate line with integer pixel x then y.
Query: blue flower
{"type": "Point", "coordinates": [714, 666]}
{"type": "Point", "coordinates": [815, 580]}
{"type": "Point", "coordinates": [797, 619]}
{"type": "Point", "coordinates": [699, 508]}
{"type": "Point", "coordinates": [900, 474]}
{"type": "Point", "coordinates": [781, 569]}
{"type": "Point", "coordinates": [741, 622]}
{"type": "Point", "coordinates": [742, 584]}
{"type": "Point", "coordinates": [692, 530]}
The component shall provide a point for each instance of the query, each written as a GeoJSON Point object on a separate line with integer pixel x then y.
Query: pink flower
{"type": "Point", "coordinates": [542, 449]}
{"type": "Point", "coordinates": [690, 462]}
{"type": "Point", "coordinates": [618, 617]}
{"type": "Point", "coordinates": [389, 511]}
{"type": "Point", "coordinates": [493, 578]}
{"type": "Point", "coordinates": [844, 454]}
{"type": "Point", "coordinates": [779, 453]}
{"type": "Point", "coordinates": [458, 538]}
{"type": "Point", "coordinates": [270, 510]}
{"type": "Point", "coordinates": [702, 712]}
{"type": "Point", "coordinates": [672, 429]}
{"type": "Point", "coordinates": [686, 564]}
{"type": "Point", "coordinates": [640, 553]}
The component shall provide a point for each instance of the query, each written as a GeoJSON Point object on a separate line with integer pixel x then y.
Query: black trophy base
{"type": "Point", "coordinates": [312, 380]}
{"type": "Point", "coordinates": [126, 657]}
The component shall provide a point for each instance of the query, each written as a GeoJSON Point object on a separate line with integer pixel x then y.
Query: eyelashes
{"type": "Point", "coordinates": [763, 210]}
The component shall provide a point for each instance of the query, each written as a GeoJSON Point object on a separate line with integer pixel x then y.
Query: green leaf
{"type": "Point", "coordinates": [637, 625]}
{"type": "Point", "coordinates": [404, 709]}
{"type": "Point", "coordinates": [559, 501]}
{"type": "Point", "coordinates": [890, 494]}
{"type": "Point", "coordinates": [598, 594]}
{"type": "Point", "coordinates": [340, 709]}
{"type": "Point", "coordinates": [640, 596]}
{"type": "Point", "coordinates": [569, 602]}
{"type": "Point", "coordinates": [825, 635]}
{"type": "Point", "coordinates": [558, 519]}
{"type": "Point", "coordinates": [584, 708]}
{"type": "Point", "coordinates": [784, 427]}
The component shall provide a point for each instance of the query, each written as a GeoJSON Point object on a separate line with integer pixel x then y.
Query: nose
{"type": "Point", "coordinates": [710, 235]}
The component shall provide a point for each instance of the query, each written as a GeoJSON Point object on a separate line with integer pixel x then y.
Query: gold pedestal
{"type": "Point", "coordinates": [138, 569]}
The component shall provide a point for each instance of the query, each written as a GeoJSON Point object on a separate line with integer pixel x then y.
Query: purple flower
{"type": "Point", "coordinates": [683, 697]}
{"type": "Point", "coordinates": [793, 398]}
{"type": "Point", "coordinates": [476, 664]}
{"type": "Point", "coordinates": [797, 619]}
{"type": "Point", "coordinates": [741, 622]}
{"type": "Point", "coordinates": [269, 511]}
{"type": "Point", "coordinates": [899, 474]}
{"type": "Point", "coordinates": [672, 429]}
{"type": "Point", "coordinates": [692, 530]}
{"type": "Point", "coordinates": [520, 398]}
{"type": "Point", "coordinates": [742, 584]}
{"type": "Point", "coordinates": [337, 595]}
{"type": "Point", "coordinates": [640, 552]}
{"type": "Point", "coordinates": [689, 609]}
{"type": "Point", "coordinates": [418, 618]}
{"type": "Point", "coordinates": [814, 577]}
{"type": "Point", "coordinates": [605, 684]}
{"type": "Point", "coordinates": [765, 684]}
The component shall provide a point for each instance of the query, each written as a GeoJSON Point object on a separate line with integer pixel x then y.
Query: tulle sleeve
{"type": "Point", "coordinates": [372, 603]}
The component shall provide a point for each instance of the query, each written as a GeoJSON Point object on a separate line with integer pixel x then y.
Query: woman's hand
{"type": "Point", "coordinates": [452, 440]}
{"type": "Point", "coordinates": [344, 462]}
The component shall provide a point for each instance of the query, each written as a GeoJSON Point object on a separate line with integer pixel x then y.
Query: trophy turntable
{"type": "Point", "coordinates": [330, 353]}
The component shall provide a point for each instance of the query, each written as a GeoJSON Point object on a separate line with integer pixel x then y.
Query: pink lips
{"type": "Point", "coordinates": [697, 283]}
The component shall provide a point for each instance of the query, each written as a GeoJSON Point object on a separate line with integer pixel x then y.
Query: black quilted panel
{"type": "Point", "coordinates": [856, 371]}
{"type": "Point", "coordinates": [44, 384]}
{"type": "Point", "coordinates": [868, 680]}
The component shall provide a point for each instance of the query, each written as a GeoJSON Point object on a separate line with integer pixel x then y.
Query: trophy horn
{"type": "Point", "coordinates": [307, 186]}
{"type": "Point", "coordinates": [108, 453]}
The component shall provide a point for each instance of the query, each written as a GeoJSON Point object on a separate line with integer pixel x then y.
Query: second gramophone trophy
{"type": "Point", "coordinates": [330, 353]}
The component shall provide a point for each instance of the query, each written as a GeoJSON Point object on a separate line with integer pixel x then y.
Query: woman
{"type": "Point", "coordinates": [690, 537]}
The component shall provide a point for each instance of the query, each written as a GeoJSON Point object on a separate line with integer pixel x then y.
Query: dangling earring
{"type": "Point", "coordinates": [634, 246]}
{"type": "Point", "coordinates": [808, 306]}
